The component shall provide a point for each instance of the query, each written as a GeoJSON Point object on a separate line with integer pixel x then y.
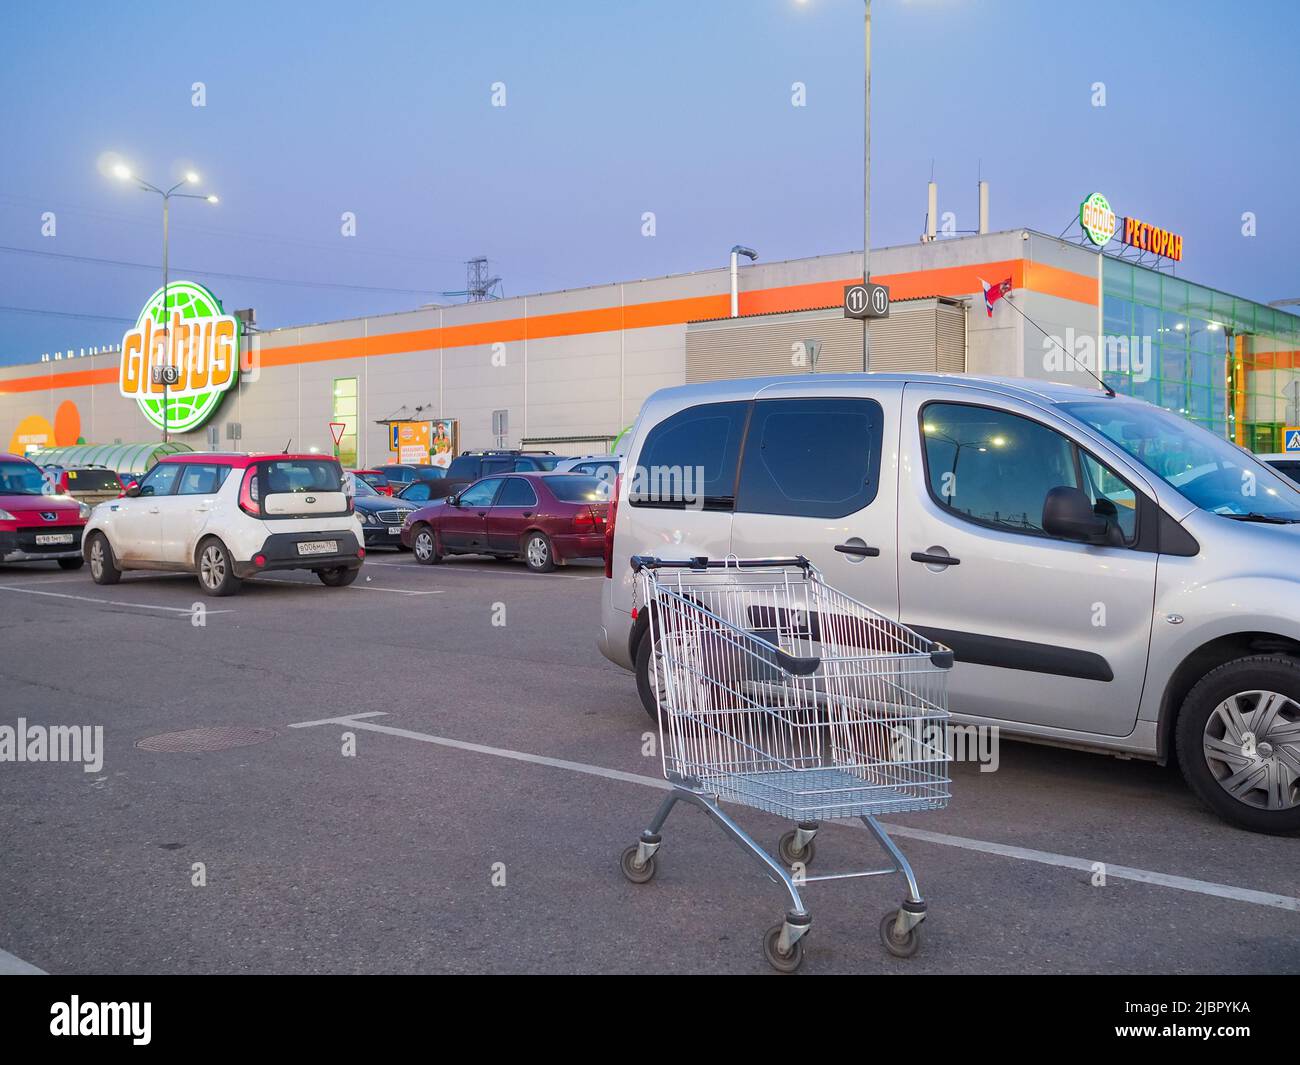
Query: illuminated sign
{"type": "Point", "coordinates": [1097, 219]}
{"type": "Point", "coordinates": [1146, 237]}
{"type": "Point", "coordinates": [201, 341]}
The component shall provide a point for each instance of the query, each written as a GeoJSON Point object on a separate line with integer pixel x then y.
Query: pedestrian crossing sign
{"type": "Point", "coordinates": [1291, 439]}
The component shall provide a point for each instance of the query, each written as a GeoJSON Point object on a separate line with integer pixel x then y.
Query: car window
{"type": "Point", "coordinates": [362, 488]}
{"type": "Point", "coordinates": [811, 457]}
{"type": "Point", "coordinates": [481, 494]}
{"type": "Point", "coordinates": [1291, 469]}
{"type": "Point", "coordinates": [497, 466]}
{"type": "Point", "coordinates": [464, 466]}
{"type": "Point", "coordinates": [546, 463]}
{"type": "Point", "coordinates": [419, 491]}
{"type": "Point", "coordinates": [995, 468]}
{"type": "Point", "coordinates": [525, 466]}
{"type": "Point", "coordinates": [690, 458]}
{"type": "Point", "coordinates": [575, 488]}
{"type": "Point", "coordinates": [202, 480]}
{"type": "Point", "coordinates": [91, 480]}
{"type": "Point", "coordinates": [430, 473]}
{"type": "Point", "coordinates": [21, 478]}
{"type": "Point", "coordinates": [302, 475]}
{"type": "Point", "coordinates": [517, 493]}
{"type": "Point", "coordinates": [160, 480]}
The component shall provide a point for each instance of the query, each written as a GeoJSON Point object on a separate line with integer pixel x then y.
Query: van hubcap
{"type": "Point", "coordinates": [212, 567]}
{"type": "Point", "coordinates": [1252, 746]}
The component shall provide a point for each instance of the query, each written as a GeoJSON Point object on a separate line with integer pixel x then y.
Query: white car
{"type": "Point", "coordinates": [226, 516]}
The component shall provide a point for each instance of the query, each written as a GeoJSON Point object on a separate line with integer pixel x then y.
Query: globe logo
{"type": "Point", "coordinates": [194, 335]}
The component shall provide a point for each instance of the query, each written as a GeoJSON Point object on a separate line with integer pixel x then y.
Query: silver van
{"type": "Point", "coordinates": [1109, 575]}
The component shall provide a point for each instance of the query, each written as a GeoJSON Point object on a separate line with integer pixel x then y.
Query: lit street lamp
{"type": "Point", "coordinates": [123, 173]}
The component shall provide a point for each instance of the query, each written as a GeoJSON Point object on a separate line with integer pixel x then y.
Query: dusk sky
{"type": "Point", "coordinates": [613, 109]}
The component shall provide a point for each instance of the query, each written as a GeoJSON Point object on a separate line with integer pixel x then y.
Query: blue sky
{"type": "Point", "coordinates": [614, 108]}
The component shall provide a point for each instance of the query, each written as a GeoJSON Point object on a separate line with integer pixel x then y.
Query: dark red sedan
{"type": "Point", "coordinates": [546, 519]}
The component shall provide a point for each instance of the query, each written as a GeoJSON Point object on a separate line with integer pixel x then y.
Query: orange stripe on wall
{"type": "Point", "coordinates": [950, 281]}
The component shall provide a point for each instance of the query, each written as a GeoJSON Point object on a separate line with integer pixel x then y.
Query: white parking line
{"type": "Point", "coordinates": [354, 587]}
{"type": "Point", "coordinates": [108, 602]}
{"type": "Point", "coordinates": [1026, 854]}
{"type": "Point", "coordinates": [12, 966]}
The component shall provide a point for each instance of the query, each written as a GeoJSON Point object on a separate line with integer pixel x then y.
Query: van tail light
{"type": "Point", "coordinates": [610, 518]}
{"type": "Point", "coordinates": [249, 502]}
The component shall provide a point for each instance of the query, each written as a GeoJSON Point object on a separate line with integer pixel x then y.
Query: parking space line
{"type": "Point", "coordinates": [13, 966]}
{"type": "Point", "coordinates": [1027, 854]}
{"type": "Point", "coordinates": [108, 602]}
{"type": "Point", "coordinates": [354, 587]}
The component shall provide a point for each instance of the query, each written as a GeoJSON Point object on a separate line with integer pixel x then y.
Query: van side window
{"type": "Point", "coordinates": [995, 468]}
{"type": "Point", "coordinates": [817, 458]}
{"type": "Point", "coordinates": [690, 459]}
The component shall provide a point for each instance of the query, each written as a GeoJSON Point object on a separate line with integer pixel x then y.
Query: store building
{"type": "Point", "coordinates": [569, 370]}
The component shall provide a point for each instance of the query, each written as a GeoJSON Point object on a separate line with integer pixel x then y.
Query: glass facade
{"type": "Point", "coordinates": [1229, 364]}
{"type": "Point", "coordinates": [345, 411]}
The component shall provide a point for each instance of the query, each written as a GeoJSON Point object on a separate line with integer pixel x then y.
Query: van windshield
{"type": "Point", "coordinates": [1212, 473]}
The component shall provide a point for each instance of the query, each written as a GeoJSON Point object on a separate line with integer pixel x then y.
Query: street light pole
{"type": "Point", "coordinates": [191, 178]}
{"type": "Point", "coordinates": [866, 182]}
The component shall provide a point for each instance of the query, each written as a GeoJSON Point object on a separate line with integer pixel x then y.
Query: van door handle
{"type": "Point", "coordinates": [861, 550]}
{"type": "Point", "coordinates": [935, 560]}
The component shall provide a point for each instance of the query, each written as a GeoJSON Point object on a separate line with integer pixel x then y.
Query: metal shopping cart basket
{"type": "Point", "coordinates": [778, 692]}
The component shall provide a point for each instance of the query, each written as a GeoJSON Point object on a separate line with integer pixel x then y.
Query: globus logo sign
{"type": "Point", "coordinates": [1097, 219]}
{"type": "Point", "coordinates": [201, 341]}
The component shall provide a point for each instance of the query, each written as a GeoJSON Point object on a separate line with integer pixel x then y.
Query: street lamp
{"type": "Point", "coordinates": [123, 173]}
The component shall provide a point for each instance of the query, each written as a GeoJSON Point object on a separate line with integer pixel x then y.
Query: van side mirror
{"type": "Point", "coordinates": [1068, 513]}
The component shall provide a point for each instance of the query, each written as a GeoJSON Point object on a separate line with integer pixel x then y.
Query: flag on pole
{"type": "Point", "coordinates": [993, 293]}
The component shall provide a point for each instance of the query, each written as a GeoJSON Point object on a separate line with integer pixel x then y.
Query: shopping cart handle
{"type": "Point", "coordinates": [941, 657]}
{"type": "Point", "coordinates": [799, 667]}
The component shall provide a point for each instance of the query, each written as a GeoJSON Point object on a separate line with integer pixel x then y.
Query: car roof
{"type": "Point", "coordinates": [239, 459]}
{"type": "Point", "coordinates": [7, 456]}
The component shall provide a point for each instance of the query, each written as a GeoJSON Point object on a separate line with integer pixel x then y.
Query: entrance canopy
{"type": "Point", "coordinates": [120, 458]}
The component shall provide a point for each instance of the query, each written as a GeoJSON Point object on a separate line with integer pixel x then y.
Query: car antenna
{"type": "Point", "coordinates": [286, 447]}
{"type": "Point", "coordinates": [1086, 369]}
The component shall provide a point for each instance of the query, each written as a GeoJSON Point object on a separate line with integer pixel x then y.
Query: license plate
{"type": "Point", "coordinates": [318, 547]}
{"type": "Point", "coordinates": [50, 539]}
{"type": "Point", "coordinates": [395, 530]}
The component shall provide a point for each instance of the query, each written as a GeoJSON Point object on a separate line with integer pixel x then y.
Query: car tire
{"type": "Point", "coordinates": [71, 563]}
{"type": "Point", "coordinates": [539, 555]}
{"type": "Point", "coordinates": [424, 545]}
{"type": "Point", "coordinates": [644, 683]}
{"type": "Point", "coordinates": [1235, 772]}
{"type": "Point", "coordinates": [339, 576]}
{"type": "Point", "coordinates": [103, 567]}
{"type": "Point", "coordinates": [215, 568]}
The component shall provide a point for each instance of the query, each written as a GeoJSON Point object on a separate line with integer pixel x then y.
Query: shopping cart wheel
{"type": "Point", "coordinates": [782, 963]}
{"type": "Point", "coordinates": [899, 947]}
{"type": "Point", "coordinates": [638, 875]}
{"type": "Point", "coordinates": [791, 853]}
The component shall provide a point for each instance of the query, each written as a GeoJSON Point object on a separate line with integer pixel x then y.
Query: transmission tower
{"type": "Point", "coordinates": [479, 287]}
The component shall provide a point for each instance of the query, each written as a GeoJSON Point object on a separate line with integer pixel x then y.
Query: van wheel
{"type": "Point", "coordinates": [424, 545]}
{"type": "Point", "coordinates": [539, 555]}
{"type": "Point", "coordinates": [1238, 738]}
{"type": "Point", "coordinates": [71, 563]}
{"type": "Point", "coordinates": [644, 681]}
{"type": "Point", "coordinates": [103, 570]}
{"type": "Point", "coordinates": [216, 569]}
{"type": "Point", "coordinates": [339, 577]}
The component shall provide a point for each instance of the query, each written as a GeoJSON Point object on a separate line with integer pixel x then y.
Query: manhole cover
{"type": "Point", "coordinates": [200, 740]}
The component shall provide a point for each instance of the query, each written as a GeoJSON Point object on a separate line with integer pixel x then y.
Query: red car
{"type": "Point", "coordinates": [376, 480]}
{"type": "Point", "coordinates": [544, 518]}
{"type": "Point", "coordinates": [34, 526]}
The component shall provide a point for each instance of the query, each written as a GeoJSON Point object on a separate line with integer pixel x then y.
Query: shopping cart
{"type": "Point", "coordinates": [778, 692]}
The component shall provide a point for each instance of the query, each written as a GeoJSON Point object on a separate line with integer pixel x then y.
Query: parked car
{"type": "Point", "coordinates": [37, 526]}
{"type": "Point", "coordinates": [89, 484]}
{"type": "Point", "coordinates": [380, 515]}
{"type": "Point", "coordinates": [401, 477]}
{"type": "Point", "coordinates": [1109, 575]}
{"type": "Point", "coordinates": [547, 519]}
{"type": "Point", "coordinates": [227, 516]}
{"type": "Point", "coordinates": [375, 479]}
{"type": "Point", "coordinates": [470, 466]}
{"type": "Point", "coordinates": [603, 467]}
{"type": "Point", "coordinates": [1286, 464]}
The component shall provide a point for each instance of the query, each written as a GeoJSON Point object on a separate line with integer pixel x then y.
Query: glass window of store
{"type": "Point", "coordinates": [1227, 364]}
{"type": "Point", "coordinates": [345, 411]}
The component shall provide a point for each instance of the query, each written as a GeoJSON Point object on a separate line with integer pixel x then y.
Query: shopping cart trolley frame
{"type": "Point", "coordinates": [764, 722]}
